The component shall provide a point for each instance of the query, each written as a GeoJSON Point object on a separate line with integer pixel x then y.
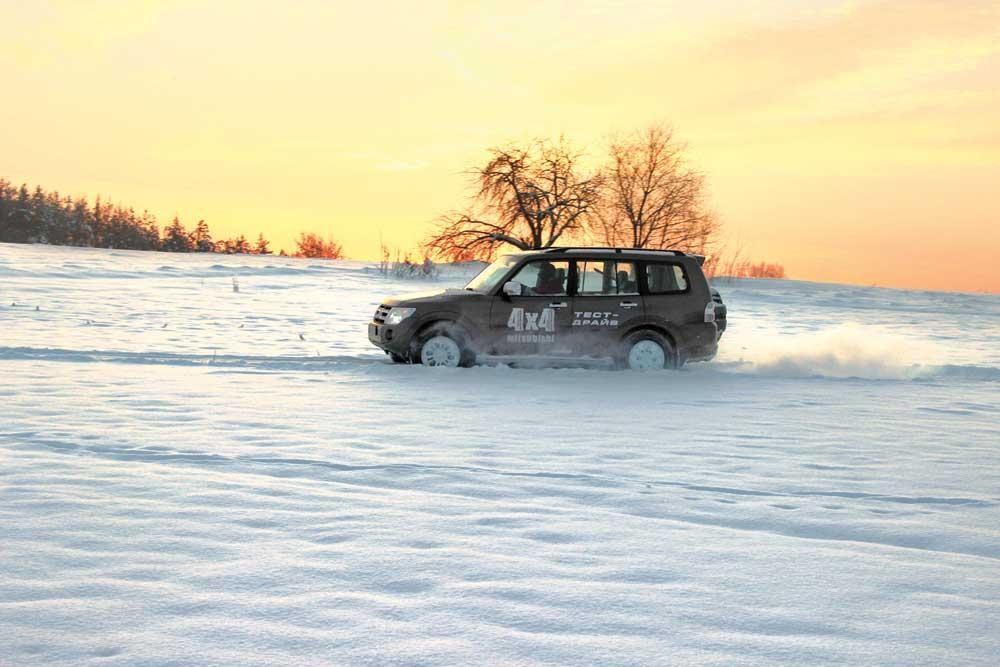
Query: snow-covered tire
{"type": "Point", "coordinates": [442, 345]}
{"type": "Point", "coordinates": [647, 350]}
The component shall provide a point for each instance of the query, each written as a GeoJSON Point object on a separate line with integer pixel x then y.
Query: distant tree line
{"type": "Point", "coordinates": [38, 216]}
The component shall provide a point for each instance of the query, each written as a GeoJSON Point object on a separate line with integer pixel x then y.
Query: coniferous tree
{"type": "Point", "coordinates": [6, 206]}
{"type": "Point", "coordinates": [238, 246]}
{"type": "Point", "coordinates": [81, 224]}
{"type": "Point", "coordinates": [58, 232]}
{"type": "Point", "coordinates": [201, 238]}
{"type": "Point", "coordinates": [262, 246]}
{"type": "Point", "coordinates": [176, 239]}
{"type": "Point", "coordinates": [150, 230]}
{"type": "Point", "coordinates": [19, 227]}
{"type": "Point", "coordinates": [100, 225]}
{"type": "Point", "coordinates": [39, 217]}
{"type": "Point", "coordinates": [112, 227]}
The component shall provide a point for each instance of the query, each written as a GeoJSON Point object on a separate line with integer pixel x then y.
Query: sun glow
{"type": "Point", "coordinates": [850, 141]}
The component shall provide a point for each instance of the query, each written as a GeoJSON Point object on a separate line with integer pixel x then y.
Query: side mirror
{"type": "Point", "coordinates": [513, 288]}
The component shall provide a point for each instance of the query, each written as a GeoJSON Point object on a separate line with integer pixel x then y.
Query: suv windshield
{"type": "Point", "coordinates": [491, 275]}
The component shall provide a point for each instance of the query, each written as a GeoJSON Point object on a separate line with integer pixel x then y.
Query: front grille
{"type": "Point", "coordinates": [381, 314]}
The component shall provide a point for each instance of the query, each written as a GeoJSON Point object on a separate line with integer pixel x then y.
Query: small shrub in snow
{"type": "Point", "coordinates": [406, 268]}
{"type": "Point", "coordinates": [414, 271]}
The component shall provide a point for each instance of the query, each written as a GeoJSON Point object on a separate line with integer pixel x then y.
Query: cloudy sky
{"type": "Point", "coordinates": [851, 141]}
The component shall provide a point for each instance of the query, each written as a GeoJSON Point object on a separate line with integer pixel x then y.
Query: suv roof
{"type": "Point", "coordinates": [634, 252]}
{"type": "Point", "coordinates": [607, 249]}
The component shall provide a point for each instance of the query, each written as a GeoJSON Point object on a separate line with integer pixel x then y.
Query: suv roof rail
{"type": "Point", "coordinates": [618, 250]}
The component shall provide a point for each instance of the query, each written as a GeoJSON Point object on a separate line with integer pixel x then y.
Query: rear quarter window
{"type": "Point", "coordinates": [666, 278]}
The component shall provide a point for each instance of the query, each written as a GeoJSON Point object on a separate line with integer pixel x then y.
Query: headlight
{"type": "Point", "coordinates": [397, 315]}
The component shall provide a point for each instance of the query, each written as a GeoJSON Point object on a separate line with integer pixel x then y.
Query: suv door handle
{"type": "Point", "coordinates": [561, 304]}
{"type": "Point", "coordinates": [628, 304]}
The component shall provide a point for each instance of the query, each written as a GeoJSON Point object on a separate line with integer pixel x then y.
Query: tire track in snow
{"type": "Point", "coordinates": [324, 362]}
{"type": "Point", "coordinates": [276, 363]}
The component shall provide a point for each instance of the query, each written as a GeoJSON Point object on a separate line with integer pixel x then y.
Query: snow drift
{"type": "Point", "coordinates": [193, 475]}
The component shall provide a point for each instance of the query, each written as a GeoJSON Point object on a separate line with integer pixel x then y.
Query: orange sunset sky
{"type": "Point", "coordinates": [851, 141]}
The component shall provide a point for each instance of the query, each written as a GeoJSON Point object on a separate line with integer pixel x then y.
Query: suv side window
{"type": "Point", "coordinates": [666, 278]}
{"type": "Point", "coordinates": [606, 277]}
{"type": "Point", "coordinates": [544, 278]}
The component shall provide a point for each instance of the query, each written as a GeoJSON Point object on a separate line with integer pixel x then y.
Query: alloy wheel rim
{"type": "Point", "coordinates": [646, 355]}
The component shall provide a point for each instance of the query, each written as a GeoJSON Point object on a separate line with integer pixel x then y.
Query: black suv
{"type": "Point", "coordinates": [641, 309]}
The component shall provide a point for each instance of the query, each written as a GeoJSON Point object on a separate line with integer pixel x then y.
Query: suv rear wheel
{"type": "Point", "coordinates": [647, 350]}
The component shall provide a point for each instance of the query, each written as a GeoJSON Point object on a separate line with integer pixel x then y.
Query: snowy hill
{"type": "Point", "coordinates": [197, 474]}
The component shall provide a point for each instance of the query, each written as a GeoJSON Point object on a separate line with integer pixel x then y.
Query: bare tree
{"type": "Point", "coordinates": [525, 197]}
{"type": "Point", "coordinates": [650, 198]}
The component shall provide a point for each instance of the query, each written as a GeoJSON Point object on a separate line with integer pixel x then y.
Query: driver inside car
{"type": "Point", "coordinates": [548, 281]}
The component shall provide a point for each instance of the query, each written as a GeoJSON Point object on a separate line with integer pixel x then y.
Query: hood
{"type": "Point", "coordinates": [430, 296]}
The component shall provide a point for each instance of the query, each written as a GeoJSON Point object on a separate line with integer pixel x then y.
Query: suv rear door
{"type": "Point", "coordinates": [672, 294]}
{"type": "Point", "coordinates": [605, 302]}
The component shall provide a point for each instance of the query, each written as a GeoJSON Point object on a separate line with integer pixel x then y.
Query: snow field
{"type": "Point", "coordinates": [206, 492]}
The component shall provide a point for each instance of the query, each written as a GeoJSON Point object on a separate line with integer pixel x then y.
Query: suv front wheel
{"type": "Point", "coordinates": [442, 346]}
{"type": "Point", "coordinates": [647, 350]}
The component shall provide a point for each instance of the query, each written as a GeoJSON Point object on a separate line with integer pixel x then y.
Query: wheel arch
{"type": "Point", "coordinates": [664, 331]}
{"type": "Point", "coordinates": [447, 320]}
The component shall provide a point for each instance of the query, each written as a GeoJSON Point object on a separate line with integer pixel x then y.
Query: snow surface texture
{"type": "Point", "coordinates": [195, 475]}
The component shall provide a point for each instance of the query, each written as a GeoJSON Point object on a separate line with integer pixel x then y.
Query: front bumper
{"type": "Point", "coordinates": [391, 339]}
